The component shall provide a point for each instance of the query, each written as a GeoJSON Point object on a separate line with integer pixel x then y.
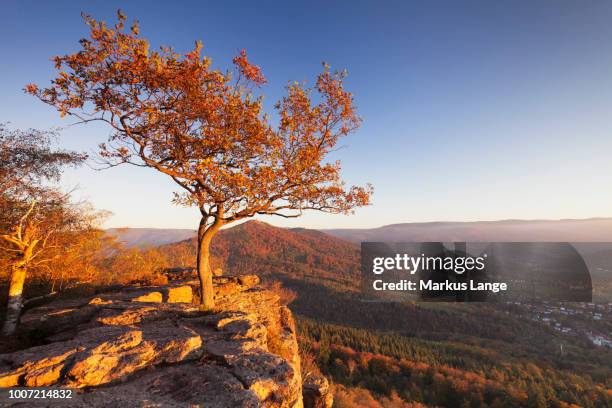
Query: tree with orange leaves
{"type": "Point", "coordinates": [206, 129]}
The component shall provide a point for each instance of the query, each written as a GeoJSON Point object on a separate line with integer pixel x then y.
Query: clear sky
{"type": "Point", "coordinates": [473, 110]}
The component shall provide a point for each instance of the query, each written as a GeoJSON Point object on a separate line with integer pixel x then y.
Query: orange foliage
{"type": "Point", "coordinates": [206, 129]}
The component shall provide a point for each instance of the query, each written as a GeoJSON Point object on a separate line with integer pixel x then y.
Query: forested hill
{"type": "Point", "coordinates": [301, 254]}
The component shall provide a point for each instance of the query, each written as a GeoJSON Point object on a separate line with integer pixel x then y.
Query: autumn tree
{"type": "Point", "coordinates": [31, 211]}
{"type": "Point", "coordinates": [206, 129]}
{"type": "Point", "coordinates": [28, 162]}
{"type": "Point", "coordinates": [79, 249]}
{"type": "Point", "coordinates": [137, 265]}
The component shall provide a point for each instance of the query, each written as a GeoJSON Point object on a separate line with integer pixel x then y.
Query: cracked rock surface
{"type": "Point", "coordinates": [151, 346]}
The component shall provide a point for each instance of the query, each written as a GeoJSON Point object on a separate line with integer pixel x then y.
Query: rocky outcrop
{"type": "Point", "coordinates": [101, 355]}
{"type": "Point", "coordinates": [152, 344]}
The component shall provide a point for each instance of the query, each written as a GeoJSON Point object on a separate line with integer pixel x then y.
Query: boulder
{"type": "Point", "coordinates": [180, 294]}
{"type": "Point", "coordinates": [269, 376]}
{"type": "Point", "coordinates": [317, 392]}
{"type": "Point", "coordinates": [153, 297]}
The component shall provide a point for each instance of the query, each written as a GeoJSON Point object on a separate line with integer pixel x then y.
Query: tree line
{"type": "Point", "coordinates": [443, 373]}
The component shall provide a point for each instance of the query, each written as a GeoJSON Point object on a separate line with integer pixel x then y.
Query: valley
{"type": "Point", "coordinates": [473, 354]}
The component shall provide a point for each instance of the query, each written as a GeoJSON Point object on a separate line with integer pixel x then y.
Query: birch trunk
{"type": "Point", "coordinates": [15, 300]}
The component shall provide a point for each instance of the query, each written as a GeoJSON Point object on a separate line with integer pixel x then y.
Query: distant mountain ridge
{"type": "Point", "coordinates": [569, 230]}
{"type": "Point", "coordinates": [139, 237]}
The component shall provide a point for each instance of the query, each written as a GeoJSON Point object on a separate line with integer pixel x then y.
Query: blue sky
{"type": "Point", "coordinates": [472, 110]}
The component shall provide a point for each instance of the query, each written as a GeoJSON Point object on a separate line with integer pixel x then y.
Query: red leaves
{"type": "Point", "coordinates": [251, 72]}
{"type": "Point", "coordinates": [32, 89]}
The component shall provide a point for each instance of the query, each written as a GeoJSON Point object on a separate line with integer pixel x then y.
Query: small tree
{"type": "Point", "coordinates": [206, 130]}
{"type": "Point", "coordinates": [27, 162]}
{"type": "Point", "coordinates": [25, 243]}
{"type": "Point", "coordinates": [31, 213]}
{"type": "Point", "coordinates": [51, 236]}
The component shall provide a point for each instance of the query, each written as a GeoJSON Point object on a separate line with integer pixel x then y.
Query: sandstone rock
{"type": "Point", "coordinates": [100, 301]}
{"type": "Point", "coordinates": [224, 351]}
{"type": "Point", "coordinates": [187, 385]}
{"type": "Point", "coordinates": [50, 322]}
{"type": "Point", "coordinates": [317, 392]}
{"type": "Point", "coordinates": [248, 280]}
{"type": "Point", "coordinates": [243, 355]}
{"type": "Point", "coordinates": [180, 294]}
{"type": "Point", "coordinates": [222, 319]}
{"type": "Point", "coordinates": [154, 297]}
{"type": "Point", "coordinates": [37, 373]}
{"type": "Point", "coordinates": [180, 274]}
{"type": "Point", "coordinates": [132, 351]}
{"type": "Point", "coordinates": [128, 313]}
{"type": "Point", "coordinates": [271, 377]}
{"type": "Point", "coordinates": [287, 337]}
{"type": "Point", "coordinates": [37, 365]}
{"type": "Point", "coordinates": [129, 317]}
{"type": "Point", "coordinates": [226, 286]}
{"type": "Point", "coordinates": [101, 355]}
{"type": "Point", "coordinates": [46, 371]}
{"type": "Point", "coordinates": [9, 379]}
{"type": "Point", "coordinates": [175, 293]}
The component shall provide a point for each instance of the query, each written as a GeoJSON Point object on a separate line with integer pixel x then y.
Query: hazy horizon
{"type": "Point", "coordinates": [518, 220]}
{"type": "Point", "coordinates": [568, 230]}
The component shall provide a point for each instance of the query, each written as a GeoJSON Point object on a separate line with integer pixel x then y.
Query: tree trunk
{"type": "Point", "coordinates": [15, 300]}
{"type": "Point", "coordinates": [205, 235]}
{"type": "Point", "coordinates": [207, 300]}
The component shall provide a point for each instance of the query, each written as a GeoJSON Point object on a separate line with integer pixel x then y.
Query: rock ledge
{"type": "Point", "coordinates": [152, 345]}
